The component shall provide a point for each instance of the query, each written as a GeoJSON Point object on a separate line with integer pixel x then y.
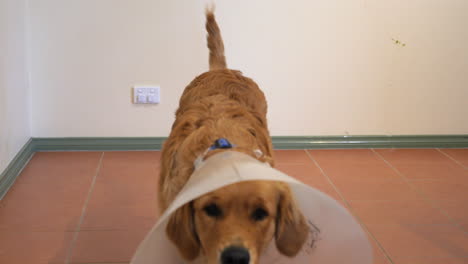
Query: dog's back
{"type": "Point", "coordinates": [220, 80]}
{"type": "Point", "coordinates": [218, 103]}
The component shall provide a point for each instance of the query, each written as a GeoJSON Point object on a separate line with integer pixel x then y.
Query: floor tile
{"type": "Point", "coordinates": [398, 212]}
{"type": "Point", "coordinates": [26, 193]}
{"type": "Point", "coordinates": [311, 175]}
{"type": "Point", "coordinates": [457, 210]}
{"type": "Point", "coordinates": [125, 192]}
{"type": "Point", "coordinates": [367, 172]}
{"type": "Point", "coordinates": [129, 159]}
{"type": "Point", "coordinates": [441, 171]}
{"type": "Point", "coordinates": [62, 169]}
{"type": "Point", "coordinates": [379, 256]}
{"type": "Point", "coordinates": [463, 226]}
{"type": "Point", "coordinates": [126, 178]}
{"type": "Point", "coordinates": [34, 247]}
{"type": "Point", "coordinates": [362, 175]}
{"type": "Point", "coordinates": [50, 192]}
{"type": "Point", "coordinates": [413, 156]}
{"type": "Point", "coordinates": [55, 175]}
{"type": "Point", "coordinates": [40, 216]}
{"type": "Point", "coordinates": [107, 246]}
{"type": "Point", "coordinates": [394, 190]}
{"type": "Point", "coordinates": [460, 155]}
{"type": "Point", "coordinates": [442, 189]}
{"type": "Point", "coordinates": [30, 207]}
{"type": "Point", "coordinates": [291, 156]}
{"type": "Point", "coordinates": [307, 172]}
{"type": "Point", "coordinates": [124, 195]}
{"type": "Point", "coordinates": [430, 260]}
{"type": "Point", "coordinates": [423, 164]}
{"type": "Point", "coordinates": [120, 262]}
{"type": "Point", "coordinates": [337, 157]}
{"type": "Point", "coordinates": [433, 241]}
{"type": "Point", "coordinates": [141, 215]}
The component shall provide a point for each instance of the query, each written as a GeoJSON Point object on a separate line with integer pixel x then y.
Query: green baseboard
{"type": "Point", "coordinates": [304, 142]}
{"type": "Point", "coordinates": [98, 143]}
{"type": "Point", "coordinates": [9, 175]}
{"type": "Point", "coordinates": [347, 142]}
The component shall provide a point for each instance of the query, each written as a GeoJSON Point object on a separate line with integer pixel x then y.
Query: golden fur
{"type": "Point", "coordinates": [222, 103]}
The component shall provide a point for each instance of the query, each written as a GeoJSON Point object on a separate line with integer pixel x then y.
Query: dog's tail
{"type": "Point", "coordinates": [215, 42]}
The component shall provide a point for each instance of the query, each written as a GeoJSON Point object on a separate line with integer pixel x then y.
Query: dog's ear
{"type": "Point", "coordinates": [291, 227]}
{"type": "Point", "coordinates": [181, 231]}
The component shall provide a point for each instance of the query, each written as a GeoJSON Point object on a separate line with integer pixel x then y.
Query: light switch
{"type": "Point", "coordinates": [146, 94]}
{"type": "Point", "coordinates": [141, 99]}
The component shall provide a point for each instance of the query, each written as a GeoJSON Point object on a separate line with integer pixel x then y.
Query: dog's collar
{"type": "Point", "coordinates": [220, 143]}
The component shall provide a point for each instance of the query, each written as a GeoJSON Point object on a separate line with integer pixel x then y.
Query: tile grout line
{"type": "Point", "coordinates": [452, 158]}
{"type": "Point", "coordinates": [382, 249]}
{"type": "Point", "coordinates": [83, 211]}
{"type": "Point", "coordinates": [420, 193]}
{"type": "Point", "coordinates": [326, 176]}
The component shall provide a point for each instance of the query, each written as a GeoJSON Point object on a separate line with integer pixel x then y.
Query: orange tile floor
{"type": "Point", "coordinates": [95, 207]}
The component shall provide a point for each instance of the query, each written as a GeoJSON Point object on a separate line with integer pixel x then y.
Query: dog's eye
{"type": "Point", "coordinates": [259, 214]}
{"type": "Point", "coordinates": [212, 210]}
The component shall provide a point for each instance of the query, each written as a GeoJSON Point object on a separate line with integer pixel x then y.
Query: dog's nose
{"type": "Point", "coordinates": [235, 255]}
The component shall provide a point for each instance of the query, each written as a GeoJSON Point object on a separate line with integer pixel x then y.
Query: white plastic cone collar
{"type": "Point", "coordinates": [335, 236]}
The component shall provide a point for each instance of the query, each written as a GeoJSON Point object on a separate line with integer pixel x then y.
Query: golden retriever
{"type": "Point", "coordinates": [234, 224]}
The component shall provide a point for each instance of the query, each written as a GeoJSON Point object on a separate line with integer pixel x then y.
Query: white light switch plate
{"type": "Point", "coordinates": [146, 95]}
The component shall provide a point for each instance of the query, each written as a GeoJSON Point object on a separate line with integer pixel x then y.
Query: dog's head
{"type": "Point", "coordinates": [236, 223]}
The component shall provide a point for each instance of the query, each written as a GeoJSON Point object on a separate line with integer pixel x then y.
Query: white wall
{"type": "Point", "coordinates": [328, 67]}
{"type": "Point", "coordinates": [14, 91]}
